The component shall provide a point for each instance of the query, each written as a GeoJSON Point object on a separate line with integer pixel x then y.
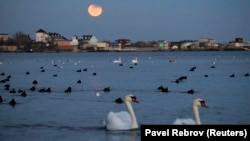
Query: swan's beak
{"type": "Point", "coordinates": [203, 104]}
{"type": "Point", "coordinates": [135, 100]}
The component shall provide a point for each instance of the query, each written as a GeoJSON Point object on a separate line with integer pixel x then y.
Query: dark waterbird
{"type": "Point", "coordinates": [192, 69]}
{"type": "Point", "coordinates": [68, 90]}
{"type": "Point", "coordinates": [9, 76]}
{"type": "Point", "coordinates": [160, 87]}
{"type": "Point", "coordinates": [12, 102]}
{"type": "Point", "coordinates": [119, 100]}
{"type": "Point", "coordinates": [12, 90]}
{"type": "Point", "coordinates": [45, 90]}
{"type": "Point", "coordinates": [48, 90]}
{"type": "Point", "coordinates": [5, 80]}
{"type": "Point", "coordinates": [163, 89]}
{"type": "Point", "coordinates": [35, 82]}
{"type": "Point", "coordinates": [247, 74]}
{"type": "Point", "coordinates": [20, 90]}
{"type": "Point", "coordinates": [23, 94]}
{"type": "Point", "coordinates": [181, 78]}
{"type": "Point", "coordinates": [33, 88]}
{"type": "Point", "coordinates": [191, 91]}
{"type": "Point", "coordinates": [42, 90]}
{"type": "Point", "coordinates": [7, 86]}
{"type": "Point", "coordinates": [107, 89]}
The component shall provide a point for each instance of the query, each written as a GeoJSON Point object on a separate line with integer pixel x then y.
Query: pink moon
{"type": "Point", "coordinates": [94, 10]}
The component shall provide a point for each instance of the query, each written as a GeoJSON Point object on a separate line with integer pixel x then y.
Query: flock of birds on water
{"type": "Point", "coordinates": [6, 80]}
{"type": "Point", "coordinates": [21, 92]}
{"type": "Point", "coordinates": [118, 61]}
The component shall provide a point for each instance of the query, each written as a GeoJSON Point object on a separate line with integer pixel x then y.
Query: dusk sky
{"type": "Point", "coordinates": [147, 20]}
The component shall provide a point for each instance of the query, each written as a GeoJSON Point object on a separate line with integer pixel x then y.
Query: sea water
{"type": "Point", "coordinates": [79, 115]}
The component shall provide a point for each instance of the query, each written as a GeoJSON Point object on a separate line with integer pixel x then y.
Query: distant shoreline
{"type": "Point", "coordinates": [132, 50]}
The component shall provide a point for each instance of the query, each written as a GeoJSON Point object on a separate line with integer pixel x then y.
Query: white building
{"type": "Point", "coordinates": [74, 41]}
{"type": "Point", "coordinates": [42, 36]}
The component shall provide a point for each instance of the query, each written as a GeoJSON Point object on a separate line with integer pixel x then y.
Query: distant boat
{"type": "Point", "coordinates": [118, 61]}
{"type": "Point", "coordinates": [134, 61]}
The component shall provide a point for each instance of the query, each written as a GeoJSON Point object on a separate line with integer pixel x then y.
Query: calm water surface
{"type": "Point", "coordinates": [79, 115]}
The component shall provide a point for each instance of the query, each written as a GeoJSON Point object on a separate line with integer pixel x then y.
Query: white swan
{"type": "Point", "coordinates": [197, 102]}
{"type": "Point", "coordinates": [97, 94]}
{"type": "Point", "coordinates": [123, 120]}
{"type": "Point", "coordinates": [134, 61]}
{"type": "Point", "coordinates": [119, 61]}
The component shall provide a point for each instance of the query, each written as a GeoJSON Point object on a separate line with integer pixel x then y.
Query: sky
{"type": "Point", "coordinates": [137, 20]}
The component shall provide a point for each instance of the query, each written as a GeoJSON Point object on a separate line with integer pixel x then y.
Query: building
{"type": "Point", "coordinates": [56, 37]}
{"type": "Point", "coordinates": [55, 40]}
{"type": "Point", "coordinates": [239, 40]}
{"type": "Point", "coordinates": [89, 39]}
{"type": "Point", "coordinates": [8, 48]}
{"type": "Point", "coordinates": [63, 43]}
{"type": "Point", "coordinates": [114, 46]}
{"type": "Point", "coordinates": [43, 36]}
{"type": "Point", "coordinates": [239, 43]}
{"type": "Point", "coordinates": [88, 42]}
{"type": "Point", "coordinates": [74, 41]}
{"type": "Point", "coordinates": [162, 44]}
{"type": "Point", "coordinates": [4, 37]}
{"type": "Point", "coordinates": [101, 46]}
{"type": "Point", "coordinates": [206, 43]}
{"type": "Point", "coordinates": [187, 45]}
{"type": "Point", "coordinates": [123, 42]}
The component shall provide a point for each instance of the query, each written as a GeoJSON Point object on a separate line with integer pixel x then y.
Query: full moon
{"type": "Point", "coordinates": [95, 10]}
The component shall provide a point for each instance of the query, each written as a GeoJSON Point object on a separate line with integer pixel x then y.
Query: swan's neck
{"type": "Point", "coordinates": [196, 115]}
{"type": "Point", "coordinates": [132, 115]}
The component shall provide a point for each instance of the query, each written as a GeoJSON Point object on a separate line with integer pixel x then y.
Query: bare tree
{"type": "Point", "coordinates": [21, 39]}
